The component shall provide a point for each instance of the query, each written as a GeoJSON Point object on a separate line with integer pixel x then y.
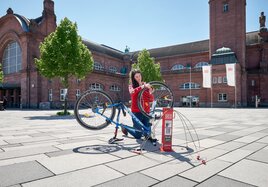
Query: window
{"type": "Point", "coordinates": [219, 79]}
{"type": "Point", "coordinates": [115, 88]}
{"type": "Point", "coordinates": [96, 86]}
{"type": "Point", "coordinates": [200, 64]}
{"type": "Point", "coordinates": [225, 7]}
{"type": "Point", "coordinates": [77, 93]}
{"type": "Point", "coordinates": [12, 58]}
{"type": "Point", "coordinates": [78, 81]}
{"type": "Point", "coordinates": [63, 93]}
{"type": "Point", "coordinates": [252, 82]}
{"type": "Point", "coordinates": [215, 80]}
{"type": "Point", "coordinates": [177, 67]}
{"type": "Point", "coordinates": [222, 97]}
{"type": "Point", "coordinates": [224, 79]}
{"type": "Point", "coordinates": [186, 86]}
{"type": "Point", "coordinates": [113, 69]}
{"type": "Point", "coordinates": [50, 95]}
{"type": "Point", "coordinates": [98, 66]}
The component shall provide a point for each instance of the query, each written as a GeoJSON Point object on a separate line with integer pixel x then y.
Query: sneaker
{"type": "Point", "coordinates": [124, 131]}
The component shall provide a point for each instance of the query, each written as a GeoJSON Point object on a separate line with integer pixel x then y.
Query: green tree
{"type": "Point", "coordinates": [1, 74]}
{"type": "Point", "coordinates": [63, 55]}
{"type": "Point", "coordinates": [149, 69]}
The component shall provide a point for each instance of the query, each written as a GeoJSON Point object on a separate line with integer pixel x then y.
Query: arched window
{"type": "Point", "coordinates": [200, 64]}
{"type": "Point", "coordinates": [98, 66]}
{"type": "Point", "coordinates": [113, 69]}
{"type": "Point", "coordinates": [12, 58]}
{"type": "Point", "coordinates": [186, 86]}
{"type": "Point", "coordinates": [115, 88]}
{"type": "Point", "coordinates": [96, 86]}
{"type": "Point", "coordinates": [177, 67]}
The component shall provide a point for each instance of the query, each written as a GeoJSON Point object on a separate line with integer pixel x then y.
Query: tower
{"type": "Point", "coordinates": [49, 15]}
{"type": "Point", "coordinates": [228, 29]}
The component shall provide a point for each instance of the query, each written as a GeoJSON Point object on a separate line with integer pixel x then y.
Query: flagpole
{"type": "Point", "coordinates": [211, 99]}
{"type": "Point", "coordinates": [235, 83]}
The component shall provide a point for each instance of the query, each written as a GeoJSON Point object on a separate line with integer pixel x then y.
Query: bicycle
{"type": "Point", "coordinates": [95, 109]}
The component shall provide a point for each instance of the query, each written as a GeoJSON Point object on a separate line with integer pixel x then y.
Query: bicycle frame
{"type": "Point", "coordinates": [120, 106]}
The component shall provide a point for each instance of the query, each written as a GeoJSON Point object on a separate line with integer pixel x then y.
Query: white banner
{"type": "Point", "coordinates": [206, 76]}
{"type": "Point", "coordinates": [230, 74]}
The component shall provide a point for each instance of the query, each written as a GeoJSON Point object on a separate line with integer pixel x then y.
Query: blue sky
{"type": "Point", "coordinates": [138, 24]}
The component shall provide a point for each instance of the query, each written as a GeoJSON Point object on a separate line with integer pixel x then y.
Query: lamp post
{"type": "Point", "coordinates": [190, 84]}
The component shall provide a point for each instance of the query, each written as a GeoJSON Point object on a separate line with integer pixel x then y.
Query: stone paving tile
{"type": "Point", "coordinates": [67, 163]}
{"type": "Point", "coordinates": [235, 155]}
{"type": "Point", "coordinates": [133, 180]}
{"type": "Point", "coordinates": [181, 136]}
{"type": "Point", "coordinates": [248, 171]}
{"type": "Point", "coordinates": [22, 159]}
{"type": "Point", "coordinates": [229, 146]}
{"type": "Point", "coordinates": [255, 146]}
{"type": "Point", "coordinates": [14, 137]}
{"type": "Point", "coordinates": [247, 139]}
{"type": "Point", "coordinates": [79, 144]}
{"type": "Point", "coordinates": [265, 130]}
{"type": "Point", "coordinates": [261, 156]}
{"type": "Point", "coordinates": [169, 169]}
{"type": "Point", "coordinates": [60, 153]}
{"type": "Point", "coordinates": [263, 140]}
{"type": "Point", "coordinates": [136, 163]}
{"type": "Point", "coordinates": [82, 178]}
{"type": "Point", "coordinates": [176, 181]}
{"type": "Point", "coordinates": [26, 152]}
{"type": "Point", "coordinates": [259, 134]}
{"type": "Point", "coordinates": [225, 137]}
{"type": "Point", "coordinates": [220, 181]}
{"type": "Point", "coordinates": [203, 172]}
{"type": "Point", "coordinates": [30, 146]}
{"type": "Point", "coordinates": [210, 142]}
{"type": "Point", "coordinates": [22, 172]}
{"type": "Point", "coordinates": [209, 132]}
{"type": "Point", "coordinates": [210, 154]}
{"type": "Point", "coordinates": [3, 142]}
{"type": "Point", "coordinates": [222, 129]}
{"type": "Point", "coordinates": [35, 139]}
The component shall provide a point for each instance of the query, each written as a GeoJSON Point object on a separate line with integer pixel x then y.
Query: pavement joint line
{"type": "Point", "coordinates": [256, 161]}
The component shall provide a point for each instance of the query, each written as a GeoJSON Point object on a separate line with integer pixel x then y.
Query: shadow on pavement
{"type": "Point", "coordinates": [50, 117]}
{"type": "Point", "coordinates": [104, 149]}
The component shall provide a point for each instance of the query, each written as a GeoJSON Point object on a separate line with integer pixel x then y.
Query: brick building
{"type": "Point", "coordinates": [180, 64]}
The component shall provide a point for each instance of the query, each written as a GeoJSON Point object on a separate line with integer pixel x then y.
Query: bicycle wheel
{"type": "Point", "coordinates": [91, 108]}
{"type": "Point", "coordinates": [151, 107]}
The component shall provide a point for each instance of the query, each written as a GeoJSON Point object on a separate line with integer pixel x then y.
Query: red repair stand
{"type": "Point", "coordinates": [167, 125]}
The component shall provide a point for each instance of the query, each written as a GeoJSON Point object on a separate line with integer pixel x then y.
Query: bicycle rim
{"type": "Point", "coordinates": [86, 108]}
{"type": "Point", "coordinates": [162, 97]}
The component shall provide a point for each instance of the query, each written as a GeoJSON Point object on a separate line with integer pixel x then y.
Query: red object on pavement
{"type": "Point", "coordinates": [167, 125]}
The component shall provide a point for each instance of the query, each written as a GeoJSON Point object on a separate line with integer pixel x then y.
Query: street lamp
{"type": "Point", "coordinates": [190, 84]}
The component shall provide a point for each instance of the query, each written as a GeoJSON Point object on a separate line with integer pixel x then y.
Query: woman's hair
{"type": "Point", "coordinates": [134, 83]}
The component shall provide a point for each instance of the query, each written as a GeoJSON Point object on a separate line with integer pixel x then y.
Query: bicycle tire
{"type": "Point", "coordinates": [85, 106]}
{"type": "Point", "coordinates": [163, 97]}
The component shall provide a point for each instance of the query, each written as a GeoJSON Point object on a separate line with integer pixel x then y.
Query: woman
{"type": "Point", "coordinates": [136, 86]}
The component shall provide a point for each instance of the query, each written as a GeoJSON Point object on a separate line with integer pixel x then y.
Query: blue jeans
{"type": "Point", "coordinates": [145, 121]}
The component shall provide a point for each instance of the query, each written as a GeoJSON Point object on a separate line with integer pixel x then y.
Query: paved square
{"type": "Point", "coordinates": [38, 148]}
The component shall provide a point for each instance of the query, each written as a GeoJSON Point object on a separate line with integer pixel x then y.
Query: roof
{"type": "Point", "coordinates": [181, 49]}
{"type": "Point", "coordinates": [104, 49]}
{"type": "Point", "coordinates": [24, 22]}
{"type": "Point", "coordinates": [223, 55]}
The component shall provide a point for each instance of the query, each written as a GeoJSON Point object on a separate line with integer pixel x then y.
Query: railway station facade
{"type": "Point", "coordinates": [181, 65]}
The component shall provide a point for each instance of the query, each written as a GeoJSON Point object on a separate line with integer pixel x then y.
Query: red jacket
{"type": "Point", "coordinates": [147, 98]}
